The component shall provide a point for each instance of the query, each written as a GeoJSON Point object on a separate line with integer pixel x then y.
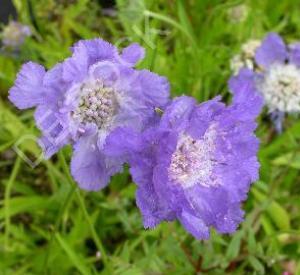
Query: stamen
{"type": "Point", "coordinates": [97, 104]}
{"type": "Point", "coordinates": [193, 160]}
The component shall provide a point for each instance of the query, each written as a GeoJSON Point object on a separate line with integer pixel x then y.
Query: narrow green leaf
{"type": "Point", "coordinates": [25, 204]}
{"type": "Point", "coordinates": [251, 241]}
{"type": "Point", "coordinates": [277, 213]}
{"type": "Point", "coordinates": [77, 261]}
{"type": "Point", "coordinates": [234, 246]}
{"type": "Point", "coordinates": [256, 264]}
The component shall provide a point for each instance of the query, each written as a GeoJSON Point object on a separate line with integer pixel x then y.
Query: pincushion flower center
{"type": "Point", "coordinates": [281, 88]}
{"type": "Point", "coordinates": [193, 160]}
{"type": "Point", "coordinates": [97, 104]}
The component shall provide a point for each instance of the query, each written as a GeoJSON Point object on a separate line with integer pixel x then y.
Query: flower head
{"type": "Point", "coordinates": [14, 34]}
{"type": "Point", "coordinates": [278, 76]}
{"type": "Point", "coordinates": [246, 58]}
{"type": "Point", "coordinates": [197, 163]}
{"type": "Point", "coordinates": [238, 14]}
{"type": "Point", "coordinates": [82, 100]}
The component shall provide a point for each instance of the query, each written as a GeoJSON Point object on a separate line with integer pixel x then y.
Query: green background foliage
{"type": "Point", "coordinates": [49, 226]}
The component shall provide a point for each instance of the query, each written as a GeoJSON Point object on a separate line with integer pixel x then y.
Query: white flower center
{"type": "Point", "coordinates": [281, 88]}
{"type": "Point", "coordinates": [97, 104]}
{"type": "Point", "coordinates": [193, 160]}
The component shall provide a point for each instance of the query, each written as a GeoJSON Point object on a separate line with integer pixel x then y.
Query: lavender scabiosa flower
{"type": "Point", "coordinates": [196, 165]}
{"type": "Point", "coordinates": [278, 77]}
{"type": "Point", "coordinates": [81, 100]}
{"type": "Point", "coordinates": [14, 34]}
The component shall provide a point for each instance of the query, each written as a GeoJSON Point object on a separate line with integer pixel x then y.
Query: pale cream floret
{"type": "Point", "coordinates": [246, 58]}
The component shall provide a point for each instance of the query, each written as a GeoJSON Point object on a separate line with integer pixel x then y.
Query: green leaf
{"type": "Point", "coordinates": [251, 241]}
{"type": "Point", "coordinates": [19, 205]}
{"type": "Point", "coordinates": [277, 213]}
{"type": "Point", "coordinates": [73, 256]}
{"type": "Point", "coordinates": [234, 246]}
{"type": "Point", "coordinates": [256, 264]}
{"type": "Point", "coordinates": [184, 20]}
{"type": "Point", "coordinates": [289, 159]}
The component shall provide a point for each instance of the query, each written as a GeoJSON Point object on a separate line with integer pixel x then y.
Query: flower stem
{"type": "Point", "coordinates": [7, 198]}
{"type": "Point", "coordinates": [96, 238]}
{"type": "Point", "coordinates": [58, 220]}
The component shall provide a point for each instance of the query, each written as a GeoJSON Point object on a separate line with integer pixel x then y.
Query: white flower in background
{"type": "Point", "coordinates": [246, 58]}
{"type": "Point", "coordinates": [281, 88]}
{"type": "Point", "coordinates": [238, 14]}
{"type": "Point", "coordinates": [275, 73]}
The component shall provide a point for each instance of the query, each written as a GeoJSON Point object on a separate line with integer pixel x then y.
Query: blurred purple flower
{"type": "Point", "coordinates": [279, 78]}
{"type": "Point", "coordinates": [81, 100]}
{"type": "Point", "coordinates": [111, 12]}
{"type": "Point", "coordinates": [195, 165]}
{"type": "Point", "coordinates": [14, 34]}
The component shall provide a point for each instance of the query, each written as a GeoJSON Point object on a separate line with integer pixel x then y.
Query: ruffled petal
{"type": "Point", "coordinates": [295, 54]}
{"type": "Point", "coordinates": [54, 85]}
{"type": "Point", "coordinates": [75, 68]}
{"type": "Point", "coordinates": [55, 133]}
{"type": "Point", "coordinates": [149, 205]}
{"type": "Point", "coordinates": [107, 71]}
{"type": "Point", "coordinates": [178, 112]}
{"type": "Point", "coordinates": [247, 101]}
{"type": "Point", "coordinates": [153, 88]}
{"type": "Point", "coordinates": [271, 50]}
{"type": "Point", "coordinates": [201, 118]}
{"type": "Point", "coordinates": [230, 222]}
{"type": "Point", "coordinates": [132, 54]}
{"type": "Point", "coordinates": [121, 142]}
{"type": "Point", "coordinates": [240, 82]}
{"type": "Point", "coordinates": [148, 197]}
{"type": "Point", "coordinates": [96, 50]}
{"type": "Point", "coordinates": [28, 89]}
{"type": "Point", "coordinates": [277, 118]}
{"type": "Point", "coordinates": [53, 77]}
{"type": "Point", "coordinates": [194, 225]}
{"type": "Point", "coordinates": [48, 147]}
{"type": "Point", "coordinates": [89, 167]}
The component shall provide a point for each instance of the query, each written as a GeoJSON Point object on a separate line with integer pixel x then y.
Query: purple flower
{"type": "Point", "coordinates": [82, 100]}
{"type": "Point", "coordinates": [278, 79]}
{"type": "Point", "coordinates": [14, 34]}
{"type": "Point", "coordinates": [195, 165]}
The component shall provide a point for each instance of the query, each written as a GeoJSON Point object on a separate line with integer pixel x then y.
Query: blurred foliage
{"type": "Point", "coordinates": [49, 226]}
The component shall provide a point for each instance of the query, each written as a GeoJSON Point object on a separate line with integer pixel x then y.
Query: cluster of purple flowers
{"type": "Point", "coordinates": [194, 162]}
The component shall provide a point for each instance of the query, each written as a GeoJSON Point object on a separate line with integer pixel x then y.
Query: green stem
{"type": "Point", "coordinates": [58, 220]}
{"type": "Point", "coordinates": [7, 198]}
{"type": "Point", "coordinates": [96, 239]}
{"type": "Point", "coordinates": [171, 22]}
